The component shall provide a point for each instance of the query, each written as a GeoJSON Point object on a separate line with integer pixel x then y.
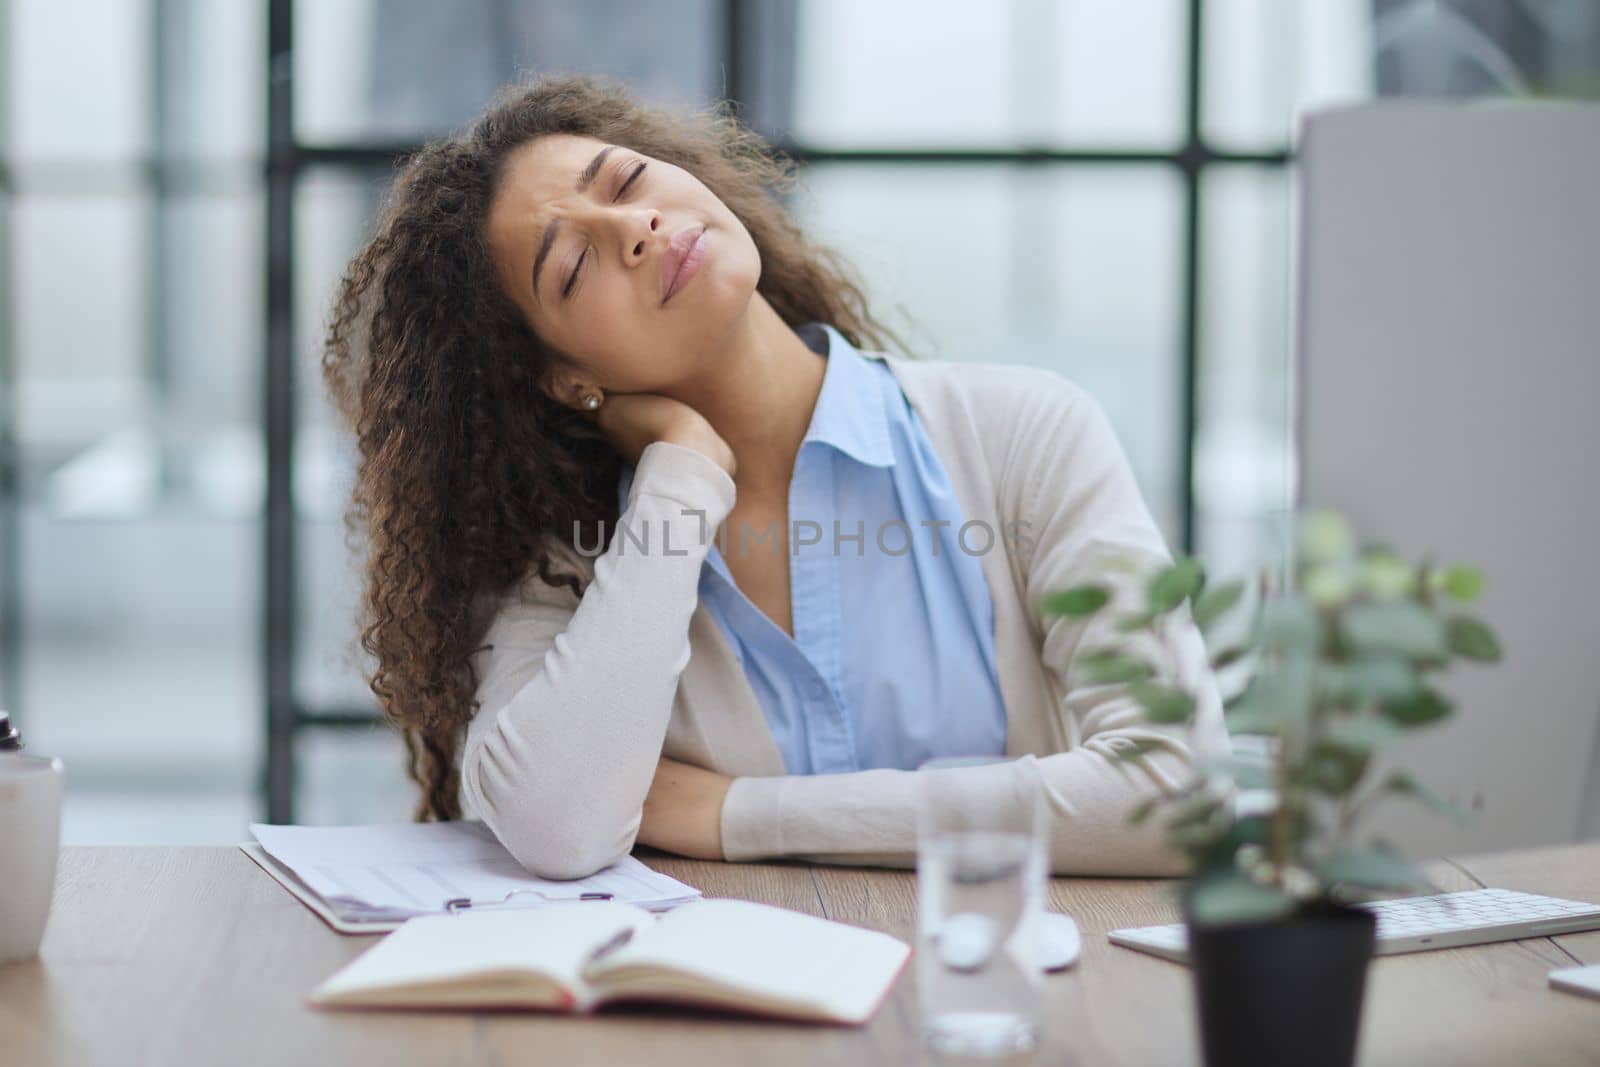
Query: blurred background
{"type": "Point", "coordinates": [181, 182]}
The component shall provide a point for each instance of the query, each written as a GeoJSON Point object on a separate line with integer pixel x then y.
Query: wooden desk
{"type": "Point", "coordinates": [194, 956]}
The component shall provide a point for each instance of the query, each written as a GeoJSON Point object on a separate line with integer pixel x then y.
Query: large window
{"type": "Point", "coordinates": [131, 223]}
{"type": "Point", "coordinates": [1094, 187]}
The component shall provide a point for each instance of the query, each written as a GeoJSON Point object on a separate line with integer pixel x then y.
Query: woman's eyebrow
{"type": "Point", "coordinates": [585, 180]}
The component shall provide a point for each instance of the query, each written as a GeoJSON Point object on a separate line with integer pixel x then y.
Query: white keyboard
{"type": "Point", "coordinates": [1419, 924]}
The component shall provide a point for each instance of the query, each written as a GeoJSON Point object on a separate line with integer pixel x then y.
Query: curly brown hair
{"type": "Point", "coordinates": [469, 474]}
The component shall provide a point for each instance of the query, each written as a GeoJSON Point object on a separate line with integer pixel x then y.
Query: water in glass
{"type": "Point", "coordinates": [977, 891]}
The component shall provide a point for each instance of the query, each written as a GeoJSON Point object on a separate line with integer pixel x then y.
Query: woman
{"type": "Point", "coordinates": [664, 548]}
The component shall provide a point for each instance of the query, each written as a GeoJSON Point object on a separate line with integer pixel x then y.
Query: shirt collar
{"type": "Point", "coordinates": [850, 414]}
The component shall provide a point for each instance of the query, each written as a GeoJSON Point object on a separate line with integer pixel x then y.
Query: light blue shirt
{"type": "Point", "coordinates": [892, 660]}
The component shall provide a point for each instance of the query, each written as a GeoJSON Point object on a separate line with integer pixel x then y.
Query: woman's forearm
{"type": "Point", "coordinates": [870, 817]}
{"type": "Point", "coordinates": [575, 703]}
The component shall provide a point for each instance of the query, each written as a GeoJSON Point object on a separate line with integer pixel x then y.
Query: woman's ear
{"type": "Point", "coordinates": [565, 388]}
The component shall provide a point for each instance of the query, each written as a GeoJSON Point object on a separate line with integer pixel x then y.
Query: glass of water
{"type": "Point", "coordinates": [982, 864]}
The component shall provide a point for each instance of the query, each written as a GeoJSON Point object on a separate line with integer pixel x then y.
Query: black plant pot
{"type": "Point", "coordinates": [1283, 991]}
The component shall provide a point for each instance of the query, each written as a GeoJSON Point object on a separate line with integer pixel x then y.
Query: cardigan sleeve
{"type": "Point", "coordinates": [574, 701]}
{"type": "Point", "coordinates": [1070, 486]}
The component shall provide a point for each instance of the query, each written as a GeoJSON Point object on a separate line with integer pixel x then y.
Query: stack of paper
{"type": "Point", "coordinates": [385, 874]}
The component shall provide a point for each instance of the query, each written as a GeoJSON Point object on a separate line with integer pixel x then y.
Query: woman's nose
{"type": "Point", "coordinates": [641, 233]}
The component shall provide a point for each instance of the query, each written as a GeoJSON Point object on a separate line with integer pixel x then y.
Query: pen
{"type": "Point", "coordinates": [464, 903]}
{"type": "Point", "coordinates": [622, 938]}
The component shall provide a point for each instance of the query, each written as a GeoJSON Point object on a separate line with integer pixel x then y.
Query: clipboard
{"type": "Point", "coordinates": [302, 892]}
{"type": "Point", "coordinates": [309, 897]}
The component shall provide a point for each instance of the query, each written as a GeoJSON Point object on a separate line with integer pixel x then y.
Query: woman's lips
{"type": "Point", "coordinates": [685, 253]}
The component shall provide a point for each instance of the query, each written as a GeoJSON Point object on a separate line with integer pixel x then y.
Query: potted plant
{"type": "Point", "coordinates": [1334, 661]}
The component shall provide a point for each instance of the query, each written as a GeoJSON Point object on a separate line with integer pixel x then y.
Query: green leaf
{"type": "Point", "coordinates": [1289, 624]}
{"type": "Point", "coordinates": [1277, 700]}
{"type": "Point", "coordinates": [1141, 811]}
{"type": "Point", "coordinates": [1217, 856]}
{"type": "Point", "coordinates": [1248, 830]}
{"type": "Point", "coordinates": [1139, 621]}
{"type": "Point", "coordinates": [1377, 677]}
{"type": "Point", "coordinates": [1107, 666]}
{"type": "Point", "coordinates": [1233, 898]}
{"type": "Point", "coordinates": [1162, 703]}
{"type": "Point", "coordinates": [1463, 583]}
{"type": "Point", "coordinates": [1329, 584]}
{"type": "Point", "coordinates": [1387, 577]}
{"type": "Point", "coordinates": [1422, 707]}
{"type": "Point", "coordinates": [1370, 867]}
{"type": "Point", "coordinates": [1336, 685]}
{"type": "Point", "coordinates": [1078, 602]}
{"type": "Point", "coordinates": [1400, 626]}
{"type": "Point", "coordinates": [1360, 734]}
{"type": "Point", "coordinates": [1383, 677]}
{"type": "Point", "coordinates": [1471, 639]}
{"type": "Point", "coordinates": [1196, 822]}
{"type": "Point", "coordinates": [1176, 584]}
{"type": "Point", "coordinates": [1216, 602]}
{"type": "Point", "coordinates": [1334, 770]}
{"type": "Point", "coordinates": [1247, 718]}
{"type": "Point", "coordinates": [1326, 535]}
{"type": "Point", "coordinates": [1199, 807]}
{"type": "Point", "coordinates": [1228, 657]}
{"type": "Point", "coordinates": [1405, 784]}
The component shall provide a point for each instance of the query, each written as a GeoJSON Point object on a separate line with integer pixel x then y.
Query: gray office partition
{"type": "Point", "coordinates": [1448, 392]}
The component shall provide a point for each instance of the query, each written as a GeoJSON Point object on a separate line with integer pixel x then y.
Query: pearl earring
{"type": "Point", "coordinates": [592, 401]}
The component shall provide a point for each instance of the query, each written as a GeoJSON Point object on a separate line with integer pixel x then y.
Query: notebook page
{"type": "Point", "coordinates": [435, 951]}
{"type": "Point", "coordinates": [842, 972]}
{"type": "Point", "coordinates": [399, 870]}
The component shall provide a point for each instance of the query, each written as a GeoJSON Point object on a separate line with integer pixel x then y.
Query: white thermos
{"type": "Point", "coordinates": [30, 812]}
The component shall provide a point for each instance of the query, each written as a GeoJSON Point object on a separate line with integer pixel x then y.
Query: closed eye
{"type": "Point", "coordinates": [572, 281]}
{"type": "Point", "coordinates": [637, 171]}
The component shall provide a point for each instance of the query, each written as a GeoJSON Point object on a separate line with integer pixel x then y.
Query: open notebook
{"type": "Point", "coordinates": [570, 956]}
{"type": "Point", "coordinates": [370, 879]}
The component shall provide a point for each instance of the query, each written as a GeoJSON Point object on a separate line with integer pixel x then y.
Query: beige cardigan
{"type": "Point", "coordinates": [579, 699]}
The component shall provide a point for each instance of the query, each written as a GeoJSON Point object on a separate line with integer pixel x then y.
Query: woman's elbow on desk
{"type": "Point", "coordinates": [564, 860]}
{"type": "Point", "coordinates": [557, 850]}
{"type": "Point", "coordinates": [554, 838]}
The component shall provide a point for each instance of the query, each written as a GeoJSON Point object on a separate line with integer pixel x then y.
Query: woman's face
{"type": "Point", "coordinates": [579, 231]}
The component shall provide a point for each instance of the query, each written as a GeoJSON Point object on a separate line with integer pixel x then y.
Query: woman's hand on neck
{"type": "Point", "coordinates": [759, 394]}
